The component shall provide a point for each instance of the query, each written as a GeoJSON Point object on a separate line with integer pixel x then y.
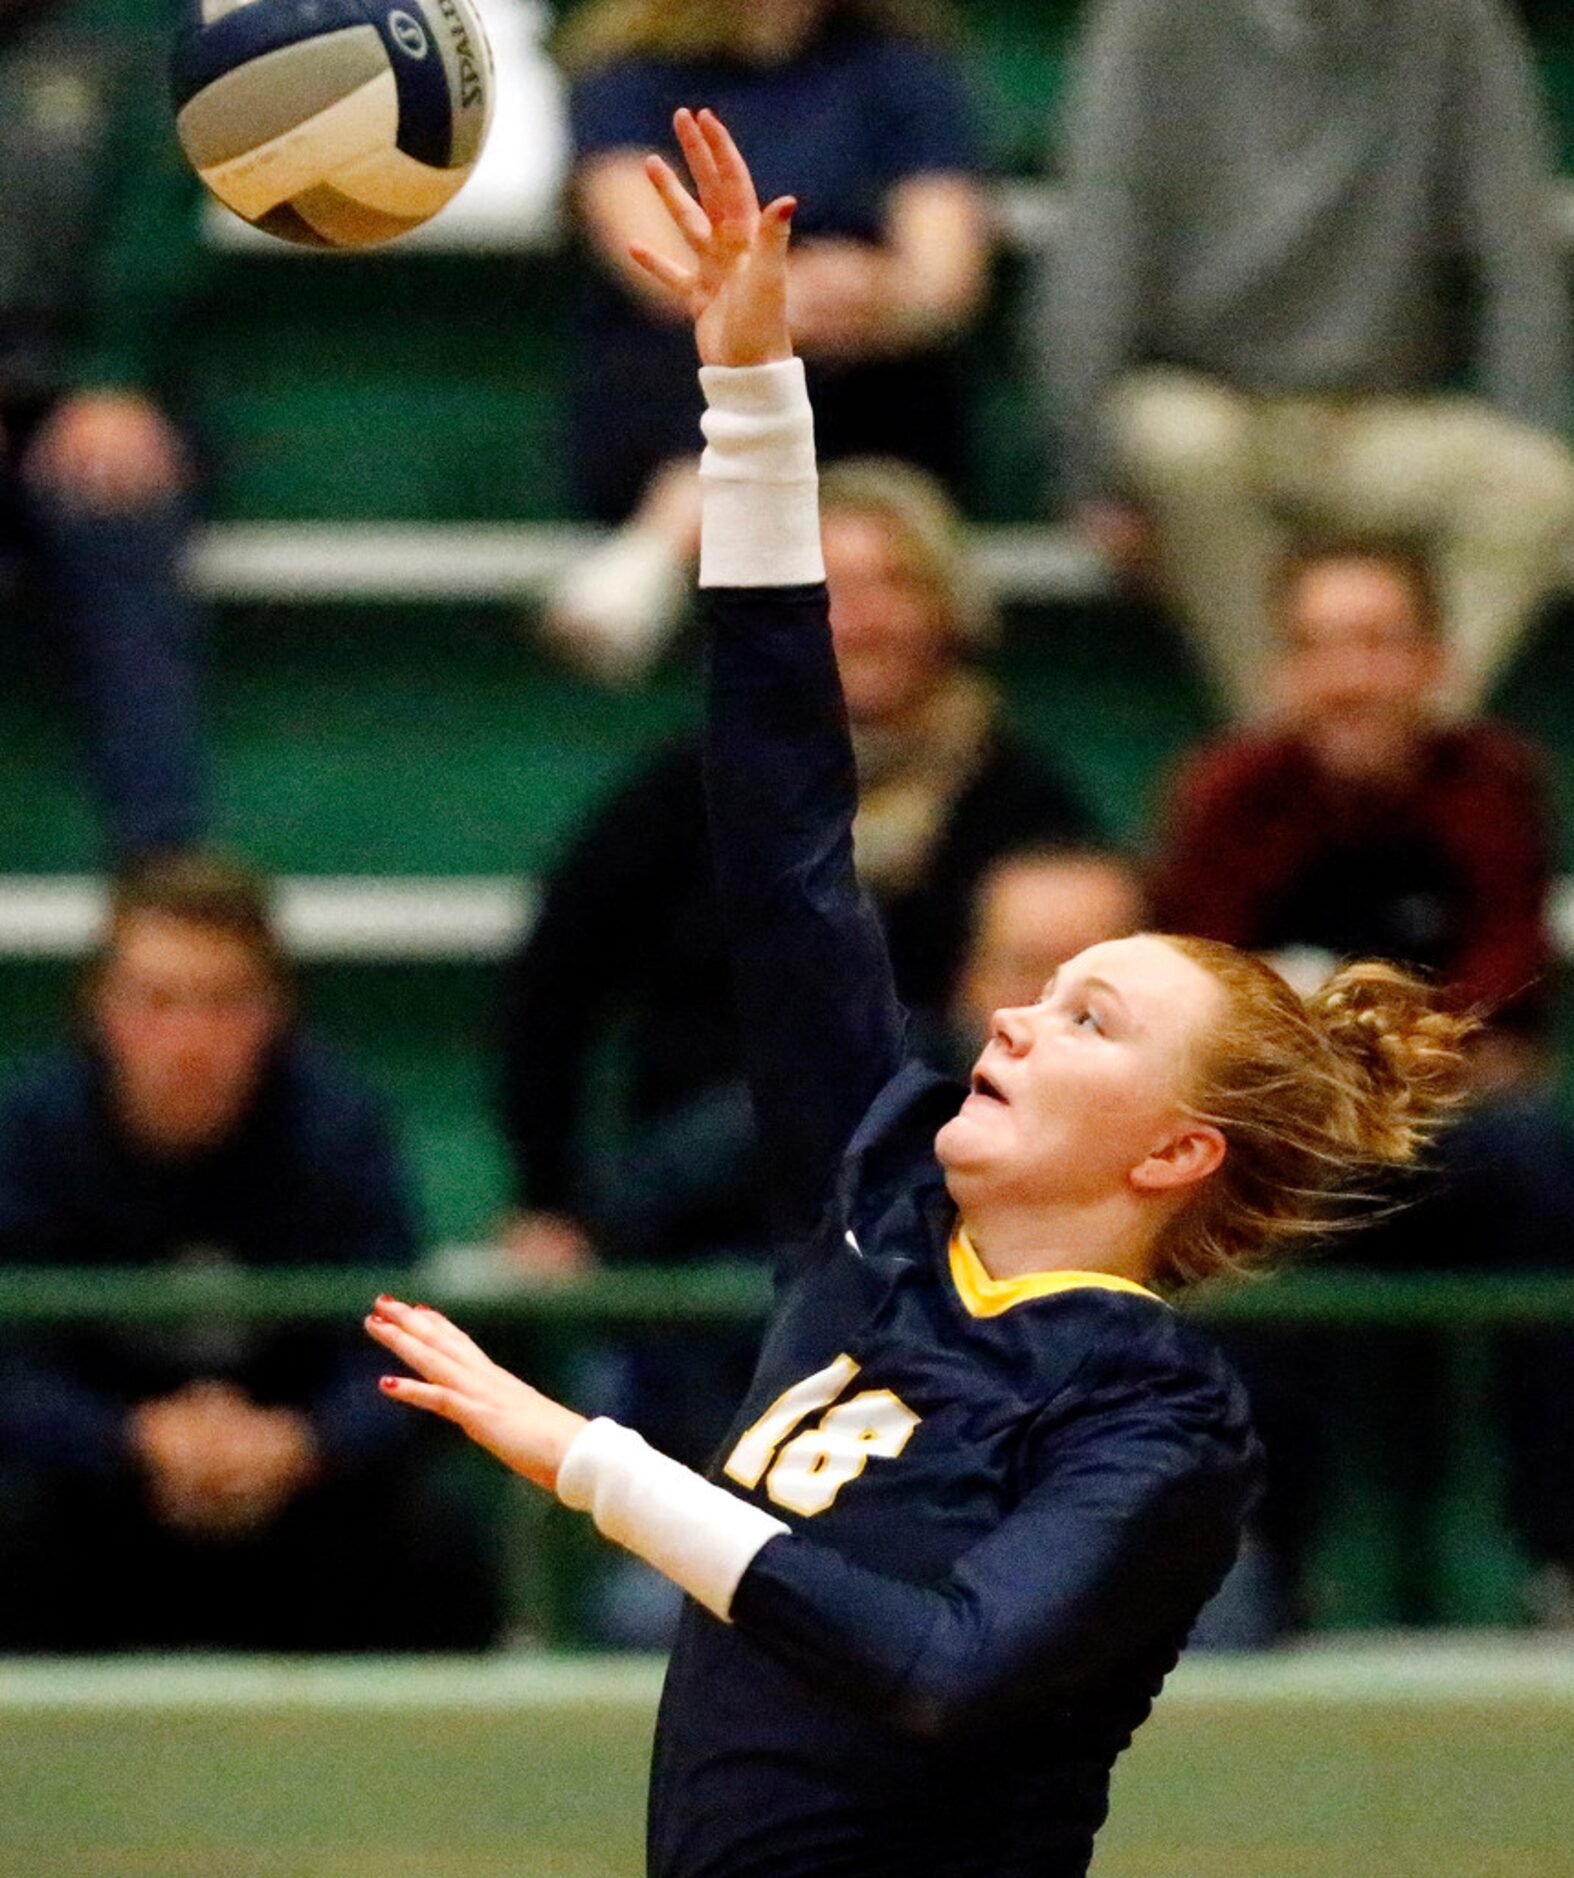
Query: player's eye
{"type": "Point", "coordinates": [1087, 1020]}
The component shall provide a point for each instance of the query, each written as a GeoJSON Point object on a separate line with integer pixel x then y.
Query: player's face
{"type": "Point", "coordinates": [1074, 1092]}
{"type": "Point", "coordinates": [892, 647]}
{"type": "Point", "coordinates": [1033, 915]}
{"type": "Point", "coordinates": [185, 1015]}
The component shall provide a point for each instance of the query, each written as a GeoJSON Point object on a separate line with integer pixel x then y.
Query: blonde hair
{"type": "Point", "coordinates": [927, 534]}
{"type": "Point", "coordinates": [605, 30]}
{"type": "Point", "coordinates": [1313, 1096]}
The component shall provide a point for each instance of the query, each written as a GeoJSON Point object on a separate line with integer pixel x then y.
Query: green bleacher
{"type": "Point", "coordinates": [436, 739]}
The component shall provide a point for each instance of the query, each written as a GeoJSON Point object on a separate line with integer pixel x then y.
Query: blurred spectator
{"type": "Point", "coordinates": [97, 227]}
{"type": "Point", "coordinates": [1365, 823]}
{"type": "Point", "coordinates": [1312, 285]}
{"type": "Point", "coordinates": [1370, 824]}
{"type": "Point", "coordinates": [216, 1483]}
{"type": "Point", "coordinates": [628, 944]}
{"type": "Point", "coordinates": [1033, 909]}
{"type": "Point", "coordinates": [861, 109]}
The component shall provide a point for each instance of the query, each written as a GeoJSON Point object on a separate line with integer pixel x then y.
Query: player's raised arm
{"type": "Point", "coordinates": [822, 1027]}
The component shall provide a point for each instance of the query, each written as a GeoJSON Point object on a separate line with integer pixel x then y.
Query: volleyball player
{"type": "Point", "coordinates": [985, 1476]}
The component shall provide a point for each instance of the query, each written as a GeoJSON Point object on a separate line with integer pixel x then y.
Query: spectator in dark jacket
{"type": "Point", "coordinates": [1368, 822]}
{"type": "Point", "coordinates": [241, 1479]}
{"type": "Point", "coordinates": [96, 250]}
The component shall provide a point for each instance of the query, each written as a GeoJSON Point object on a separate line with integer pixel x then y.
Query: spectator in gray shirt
{"type": "Point", "coordinates": [1312, 283]}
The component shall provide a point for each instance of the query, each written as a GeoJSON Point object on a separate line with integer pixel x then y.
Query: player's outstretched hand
{"type": "Point", "coordinates": [525, 1429]}
{"type": "Point", "coordinates": [735, 290]}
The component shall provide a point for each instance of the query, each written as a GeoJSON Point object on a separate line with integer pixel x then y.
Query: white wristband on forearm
{"type": "Point", "coordinates": [700, 1536]}
{"type": "Point", "coordinates": [761, 512]}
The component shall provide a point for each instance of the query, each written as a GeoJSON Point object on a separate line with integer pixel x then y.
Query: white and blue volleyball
{"type": "Point", "coordinates": [336, 123]}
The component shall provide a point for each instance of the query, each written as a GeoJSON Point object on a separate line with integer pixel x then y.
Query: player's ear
{"type": "Point", "coordinates": [1191, 1154]}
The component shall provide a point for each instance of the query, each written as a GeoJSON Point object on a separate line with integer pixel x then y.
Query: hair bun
{"type": "Point", "coordinates": [1402, 1052]}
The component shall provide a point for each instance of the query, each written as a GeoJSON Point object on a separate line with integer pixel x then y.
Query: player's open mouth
{"type": "Point", "coordinates": [982, 1086]}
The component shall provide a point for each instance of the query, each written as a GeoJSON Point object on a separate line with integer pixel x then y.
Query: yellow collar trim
{"type": "Point", "coordinates": [984, 1296]}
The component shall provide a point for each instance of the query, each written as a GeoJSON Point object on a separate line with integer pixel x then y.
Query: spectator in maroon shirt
{"type": "Point", "coordinates": [1366, 822]}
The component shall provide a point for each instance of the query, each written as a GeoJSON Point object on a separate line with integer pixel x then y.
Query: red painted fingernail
{"type": "Point", "coordinates": [383, 1298]}
{"type": "Point", "coordinates": [390, 1383]}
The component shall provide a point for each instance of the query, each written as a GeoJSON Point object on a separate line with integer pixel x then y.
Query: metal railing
{"type": "Point", "coordinates": [1386, 1532]}
{"type": "Point", "coordinates": [1457, 1304]}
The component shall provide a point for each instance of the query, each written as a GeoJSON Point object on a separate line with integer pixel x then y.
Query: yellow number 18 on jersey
{"type": "Point", "coordinates": [805, 1474]}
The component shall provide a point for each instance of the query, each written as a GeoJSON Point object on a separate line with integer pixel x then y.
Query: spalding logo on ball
{"type": "Point", "coordinates": [337, 123]}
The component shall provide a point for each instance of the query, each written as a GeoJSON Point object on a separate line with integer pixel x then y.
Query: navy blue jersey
{"type": "Point", "coordinates": [1007, 1499]}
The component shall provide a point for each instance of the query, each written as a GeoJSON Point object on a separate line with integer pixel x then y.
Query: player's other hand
{"type": "Point", "coordinates": [525, 1429]}
{"type": "Point", "coordinates": [735, 288]}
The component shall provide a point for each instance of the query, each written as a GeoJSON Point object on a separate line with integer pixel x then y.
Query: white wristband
{"type": "Point", "coordinates": [761, 515]}
{"type": "Point", "coordinates": [700, 1536]}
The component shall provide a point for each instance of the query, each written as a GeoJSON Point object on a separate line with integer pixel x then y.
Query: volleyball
{"type": "Point", "coordinates": [334, 123]}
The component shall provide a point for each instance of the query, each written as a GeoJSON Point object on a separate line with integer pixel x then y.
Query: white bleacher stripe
{"type": "Point", "coordinates": [510, 561]}
{"type": "Point", "coordinates": [503, 561]}
{"type": "Point", "coordinates": [294, 561]}
{"type": "Point", "coordinates": [408, 917]}
{"type": "Point", "coordinates": [290, 562]}
{"type": "Point", "coordinates": [1031, 217]}
{"type": "Point", "coordinates": [322, 917]}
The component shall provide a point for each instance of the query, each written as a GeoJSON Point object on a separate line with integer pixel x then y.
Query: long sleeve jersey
{"type": "Point", "coordinates": [1003, 1502]}
{"type": "Point", "coordinates": [630, 934]}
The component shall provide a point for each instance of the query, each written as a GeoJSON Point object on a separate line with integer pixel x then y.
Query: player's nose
{"type": "Point", "coordinates": [1010, 1027]}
